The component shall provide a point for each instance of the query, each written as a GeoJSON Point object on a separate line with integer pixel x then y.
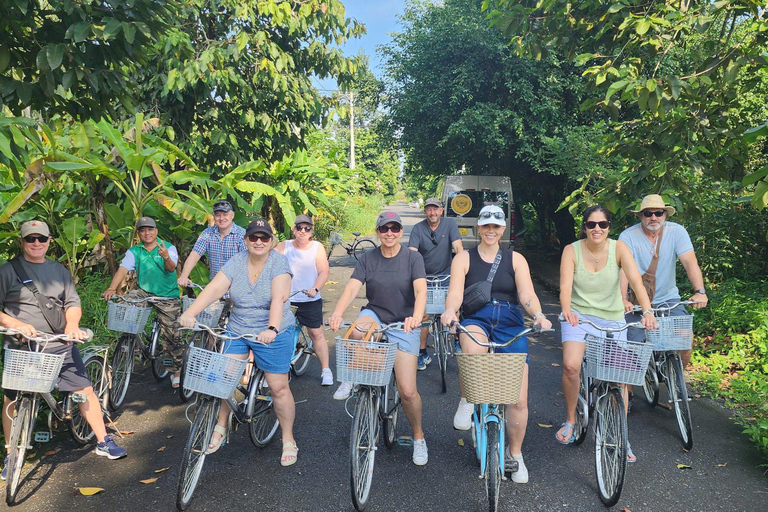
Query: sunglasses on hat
{"type": "Point", "coordinates": [488, 215]}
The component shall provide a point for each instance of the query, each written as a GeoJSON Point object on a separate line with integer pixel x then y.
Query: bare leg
{"type": "Point", "coordinates": [224, 410]}
{"type": "Point", "coordinates": [405, 371]}
{"type": "Point", "coordinates": [517, 418]}
{"type": "Point", "coordinates": [91, 411]}
{"type": "Point", "coordinates": [320, 345]}
{"type": "Point", "coordinates": [424, 334]}
{"type": "Point", "coordinates": [282, 401]}
{"type": "Point", "coordinates": [573, 354]}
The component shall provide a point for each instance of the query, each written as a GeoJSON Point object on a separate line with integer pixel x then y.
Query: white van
{"type": "Point", "coordinates": [464, 196]}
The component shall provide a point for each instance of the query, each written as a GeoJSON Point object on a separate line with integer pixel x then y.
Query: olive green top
{"type": "Point", "coordinates": [597, 293]}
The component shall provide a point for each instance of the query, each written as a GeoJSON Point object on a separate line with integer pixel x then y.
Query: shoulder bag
{"type": "Point", "coordinates": [52, 311]}
{"type": "Point", "coordinates": [649, 277]}
{"type": "Point", "coordinates": [478, 295]}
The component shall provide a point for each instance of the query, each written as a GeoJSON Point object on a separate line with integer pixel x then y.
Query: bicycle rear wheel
{"type": "Point", "coordinates": [610, 446]}
{"type": "Point", "coordinates": [362, 246]}
{"type": "Point", "coordinates": [263, 420]}
{"type": "Point", "coordinates": [79, 429]}
{"type": "Point", "coordinates": [441, 350]}
{"type": "Point", "coordinates": [582, 407]}
{"type": "Point", "coordinates": [122, 367]}
{"type": "Point", "coordinates": [362, 448]}
{"type": "Point", "coordinates": [194, 453]}
{"type": "Point", "coordinates": [493, 466]}
{"type": "Point", "coordinates": [197, 340]}
{"type": "Point", "coordinates": [391, 404]}
{"type": "Point", "coordinates": [18, 443]}
{"type": "Point", "coordinates": [651, 384]}
{"type": "Point", "coordinates": [678, 393]}
{"type": "Point", "coordinates": [303, 354]}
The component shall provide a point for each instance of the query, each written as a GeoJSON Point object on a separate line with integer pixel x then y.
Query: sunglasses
{"type": "Point", "coordinates": [262, 238]}
{"type": "Point", "coordinates": [30, 239]}
{"type": "Point", "coordinates": [592, 224]}
{"type": "Point", "coordinates": [488, 215]}
{"type": "Point", "coordinates": [304, 228]}
{"type": "Point", "coordinates": [385, 229]}
{"type": "Point", "coordinates": [659, 213]}
{"type": "Point", "coordinates": [433, 237]}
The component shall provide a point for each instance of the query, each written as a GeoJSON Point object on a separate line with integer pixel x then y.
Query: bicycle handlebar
{"type": "Point", "coordinates": [667, 308]}
{"type": "Point", "coordinates": [135, 300]}
{"type": "Point", "coordinates": [606, 329]}
{"type": "Point", "coordinates": [219, 333]}
{"type": "Point", "coordinates": [395, 326]}
{"type": "Point", "coordinates": [45, 337]}
{"type": "Point", "coordinates": [438, 279]}
{"type": "Point", "coordinates": [491, 344]}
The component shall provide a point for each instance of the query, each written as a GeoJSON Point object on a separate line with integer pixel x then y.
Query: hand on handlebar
{"type": "Point", "coordinates": [628, 306]}
{"type": "Point", "coordinates": [267, 336]}
{"type": "Point", "coordinates": [410, 323]}
{"type": "Point", "coordinates": [75, 332]}
{"type": "Point", "coordinates": [26, 329]}
{"type": "Point", "coordinates": [570, 317]}
{"type": "Point", "coordinates": [649, 321]}
{"type": "Point", "coordinates": [448, 318]}
{"type": "Point", "coordinates": [335, 322]}
{"type": "Point", "coordinates": [700, 299]}
{"type": "Point", "coordinates": [543, 322]}
{"type": "Point", "coordinates": [184, 282]}
{"type": "Point", "coordinates": [108, 293]}
{"type": "Point", "coordinates": [187, 320]}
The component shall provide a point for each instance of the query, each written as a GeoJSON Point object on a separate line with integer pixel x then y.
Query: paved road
{"type": "Point", "coordinates": [724, 474]}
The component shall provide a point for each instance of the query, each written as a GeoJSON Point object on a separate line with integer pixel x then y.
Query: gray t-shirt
{"type": "Point", "coordinates": [436, 250]}
{"type": "Point", "coordinates": [52, 279]}
{"type": "Point", "coordinates": [674, 243]}
{"type": "Point", "coordinates": [389, 282]}
{"type": "Point", "coordinates": [250, 303]}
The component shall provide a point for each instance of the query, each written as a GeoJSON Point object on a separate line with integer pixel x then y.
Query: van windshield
{"type": "Point", "coordinates": [468, 203]}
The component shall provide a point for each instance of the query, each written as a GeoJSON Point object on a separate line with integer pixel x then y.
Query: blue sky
{"type": "Point", "coordinates": [379, 18]}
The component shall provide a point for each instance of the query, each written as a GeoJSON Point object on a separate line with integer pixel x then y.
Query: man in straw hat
{"type": "Point", "coordinates": [656, 237]}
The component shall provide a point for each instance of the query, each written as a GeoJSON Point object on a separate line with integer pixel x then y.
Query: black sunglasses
{"type": "Point", "coordinates": [385, 229]}
{"type": "Point", "coordinates": [432, 236]}
{"type": "Point", "coordinates": [30, 239]}
{"type": "Point", "coordinates": [658, 213]}
{"type": "Point", "coordinates": [488, 215]}
{"type": "Point", "coordinates": [263, 238]}
{"type": "Point", "coordinates": [304, 228]}
{"type": "Point", "coordinates": [592, 224]}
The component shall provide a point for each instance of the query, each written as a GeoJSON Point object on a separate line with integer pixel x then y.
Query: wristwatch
{"type": "Point", "coordinates": [273, 328]}
{"type": "Point", "coordinates": [317, 291]}
{"type": "Point", "coordinates": [701, 291]}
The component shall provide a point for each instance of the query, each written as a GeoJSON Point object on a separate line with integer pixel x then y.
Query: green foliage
{"type": "Point", "coordinates": [350, 213]}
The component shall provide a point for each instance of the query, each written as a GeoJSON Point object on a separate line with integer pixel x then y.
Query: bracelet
{"type": "Point", "coordinates": [111, 289]}
{"type": "Point", "coordinates": [539, 314]}
{"type": "Point", "coordinates": [273, 329]}
{"type": "Point", "coordinates": [647, 311]}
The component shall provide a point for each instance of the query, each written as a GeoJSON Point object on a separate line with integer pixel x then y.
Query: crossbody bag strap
{"type": "Point", "coordinates": [46, 305]}
{"type": "Point", "coordinates": [495, 266]}
{"type": "Point", "coordinates": [655, 260]}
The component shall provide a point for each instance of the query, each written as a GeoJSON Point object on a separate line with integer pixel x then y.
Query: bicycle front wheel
{"type": "Point", "coordinates": [582, 407]}
{"type": "Point", "coordinates": [79, 429]}
{"type": "Point", "coordinates": [18, 443]}
{"type": "Point", "coordinates": [302, 354]}
{"type": "Point", "coordinates": [493, 466]}
{"type": "Point", "coordinates": [362, 246]}
{"type": "Point", "coordinates": [156, 353]}
{"type": "Point", "coordinates": [122, 367]}
{"type": "Point", "coordinates": [651, 384]}
{"type": "Point", "coordinates": [441, 351]}
{"type": "Point", "coordinates": [197, 340]}
{"type": "Point", "coordinates": [263, 420]}
{"type": "Point", "coordinates": [391, 404]}
{"type": "Point", "coordinates": [678, 393]}
{"type": "Point", "coordinates": [362, 447]}
{"type": "Point", "coordinates": [194, 453]}
{"type": "Point", "coordinates": [610, 446]}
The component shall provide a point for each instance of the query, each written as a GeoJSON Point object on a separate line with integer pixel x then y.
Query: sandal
{"type": "Point", "coordinates": [630, 456]}
{"type": "Point", "coordinates": [560, 434]}
{"type": "Point", "coordinates": [175, 381]}
{"type": "Point", "coordinates": [215, 444]}
{"type": "Point", "coordinates": [290, 454]}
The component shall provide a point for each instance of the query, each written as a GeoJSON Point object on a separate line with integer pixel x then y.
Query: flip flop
{"type": "Point", "coordinates": [630, 456]}
{"type": "Point", "coordinates": [290, 454]}
{"type": "Point", "coordinates": [560, 434]}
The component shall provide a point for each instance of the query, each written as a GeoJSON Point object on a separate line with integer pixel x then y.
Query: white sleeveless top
{"type": "Point", "coordinates": [304, 267]}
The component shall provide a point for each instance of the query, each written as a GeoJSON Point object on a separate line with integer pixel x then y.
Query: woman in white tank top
{"type": "Point", "coordinates": [309, 265]}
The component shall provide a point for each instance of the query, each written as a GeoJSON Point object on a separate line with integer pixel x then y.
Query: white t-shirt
{"type": "Point", "coordinates": [129, 260]}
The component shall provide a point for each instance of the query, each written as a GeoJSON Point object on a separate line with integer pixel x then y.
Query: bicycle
{"type": "Point", "coordinates": [33, 374]}
{"type": "Point", "coordinates": [302, 345]}
{"type": "Point", "coordinates": [355, 248]}
{"type": "Point", "coordinates": [215, 376]}
{"type": "Point", "coordinates": [131, 320]}
{"type": "Point", "coordinates": [607, 363]}
{"type": "Point", "coordinates": [491, 381]}
{"type": "Point", "coordinates": [437, 291]}
{"type": "Point", "coordinates": [674, 333]}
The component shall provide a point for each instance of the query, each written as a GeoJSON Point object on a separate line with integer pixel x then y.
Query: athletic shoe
{"type": "Point", "coordinates": [420, 452]}
{"type": "Point", "coordinates": [462, 420]}
{"type": "Point", "coordinates": [343, 392]}
{"type": "Point", "coordinates": [521, 475]}
{"type": "Point", "coordinates": [110, 449]}
{"type": "Point", "coordinates": [424, 360]}
{"type": "Point", "coordinates": [4, 474]}
{"type": "Point", "coordinates": [326, 378]}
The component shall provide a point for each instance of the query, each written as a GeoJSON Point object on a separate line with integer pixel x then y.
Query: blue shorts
{"type": "Point", "coordinates": [571, 333]}
{"type": "Point", "coordinates": [635, 334]}
{"type": "Point", "coordinates": [406, 342]}
{"type": "Point", "coordinates": [272, 358]}
{"type": "Point", "coordinates": [501, 321]}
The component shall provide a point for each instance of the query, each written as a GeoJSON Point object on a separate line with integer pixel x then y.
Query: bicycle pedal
{"type": "Point", "coordinates": [167, 362]}
{"type": "Point", "coordinates": [79, 398]}
{"type": "Point", "coordinates": [405, 441]}
{"type": "Point", "coordinates": [42, 437]}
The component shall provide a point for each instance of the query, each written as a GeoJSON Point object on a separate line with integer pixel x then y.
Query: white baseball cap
{"type": "Point", "coordinates": [491, 214]}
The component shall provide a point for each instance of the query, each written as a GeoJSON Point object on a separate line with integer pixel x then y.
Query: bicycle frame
{"type": "Point", "coordinates": [481, 417]}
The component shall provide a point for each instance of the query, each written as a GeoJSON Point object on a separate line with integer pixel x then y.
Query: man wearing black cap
{"type": "Point", "coordinates": [220, 242]}
{"type": "Point", "coordinates": [435, 238]}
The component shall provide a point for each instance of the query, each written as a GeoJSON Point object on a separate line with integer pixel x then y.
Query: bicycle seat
{"type": "Point", "coordinates": [356, 233]}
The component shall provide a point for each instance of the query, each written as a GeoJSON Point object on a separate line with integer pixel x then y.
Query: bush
{"type": "Point", "coordinates": [351, 213]}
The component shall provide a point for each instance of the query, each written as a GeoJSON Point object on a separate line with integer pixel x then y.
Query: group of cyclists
{"type": "Point", "coordinates": [260, 280]}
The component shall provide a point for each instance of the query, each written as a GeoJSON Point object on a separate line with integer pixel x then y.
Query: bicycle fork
{"type": "Point", "coordinates": [480, 432]}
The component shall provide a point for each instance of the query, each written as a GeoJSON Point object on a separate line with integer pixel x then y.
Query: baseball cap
{"type": "Point", "coordinates": [35, 227]}
{"type": "Point", "coordinates": [259, 226]}
{"type": "Point", "coordinates": [303, 219]}
{"type": "Point", "coordinates": [386, 218]}
{"type": "Point", "coordinates": [433, 201]}
{"type": "Point", "coordinates": [222, 206]}
{"type": "Point", "coordinates": [491, 214]}
{"type": "Point", "coordinates": [146, 222]}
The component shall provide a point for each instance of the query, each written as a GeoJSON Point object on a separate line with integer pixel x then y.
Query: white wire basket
{"type": "Point", "coordinates": [335, 238]}
{"type": "Point", "coordinates": [437, 292]}
{"type": "Point", "coordinates": [211, 373]}
{"type": "Point", "coordinates": [364, 362]}
{"type": "Point", "coordinates": [35, 372]}
{"type": "Point", "coordinates": [620, 361]}
{"type": "Point", "coordinates": [128, 318]}
{"type": "Point", "coordinates": [209, 316]}
{"type": "Point", "coordinates": [674, 333]}
{"type": "Point", "coordinates": [492, 378]}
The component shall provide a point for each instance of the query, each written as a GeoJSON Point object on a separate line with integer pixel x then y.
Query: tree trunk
{"type": "Point", "coordinates": [100, 217]}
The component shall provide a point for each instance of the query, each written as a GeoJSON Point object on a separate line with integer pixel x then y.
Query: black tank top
{"type": "Point", "coordinates": [503, 287]}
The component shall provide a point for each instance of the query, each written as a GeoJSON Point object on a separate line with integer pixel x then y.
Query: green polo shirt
{"type": "Point", "coordinates": [151, 273]}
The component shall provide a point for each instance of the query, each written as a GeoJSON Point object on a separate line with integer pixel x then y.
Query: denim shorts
{"type": "Point", "coordinates": [635, 334]}
{"type": "Point", "coordinates": [272, 358]}
{"type": "Point", "coordinates": [406, 342]}
{"type": "Point", "coordinates": [501, 321]}
{"type": "Point", "coordinates": [571, 333]}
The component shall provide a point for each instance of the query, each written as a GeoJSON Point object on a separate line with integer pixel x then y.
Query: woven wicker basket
{"type": "Point", "coordinates": [492, 378]}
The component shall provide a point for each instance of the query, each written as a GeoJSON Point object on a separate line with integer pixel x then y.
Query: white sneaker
{"type": "Point", "coordinates": [420, 452]}
{"type": "Point", "coordinates": [521, 475]}
{"type": "Point", "coordinates": [345, 388]}
{"type": "Point", "coordinates": [326, 377]}
{"type": "Point", "coordinates": [462, 420]}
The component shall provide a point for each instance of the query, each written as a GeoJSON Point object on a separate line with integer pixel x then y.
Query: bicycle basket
{"type": "Point", "coordinates": [128, 318]}
{"type": "Point", "coordinates": [335, 238]}
{"type": "Point", "coordinates": [674, 333]}
{"type": "Point", "coordinates": [211, 373]}
{"type": "Point", "coordinates": [492, 378]}
{"type": "Point", "coordinates": [436, 295]}
{"type": "Point", "coordinates": [364, 362]}
{"type": "Point", "coordinates": [619, 361]}
{"type": "Point", "coordinates": [35, 372]}
{"type": "Point", "coordinates": [209, 316]}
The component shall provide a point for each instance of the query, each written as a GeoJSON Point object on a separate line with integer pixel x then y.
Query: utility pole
{"type": "Point", "coordinates": [351, 130]}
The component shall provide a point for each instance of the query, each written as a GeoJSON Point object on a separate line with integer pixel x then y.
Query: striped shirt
{"type": "Point", "coordinates": [219, 250]}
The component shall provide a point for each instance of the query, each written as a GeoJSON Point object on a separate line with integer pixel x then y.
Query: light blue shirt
{"type": "Point", "coordinates": [675, 242]}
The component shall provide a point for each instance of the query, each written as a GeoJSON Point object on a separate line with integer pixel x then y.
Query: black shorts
{"type": "Point", "coordinates": [72, 377]}
{"type": "Point", "coordinates": [309, 314]}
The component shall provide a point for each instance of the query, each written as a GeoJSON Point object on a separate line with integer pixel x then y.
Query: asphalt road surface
{"type": "Point", "coordinates": [724, 474]}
